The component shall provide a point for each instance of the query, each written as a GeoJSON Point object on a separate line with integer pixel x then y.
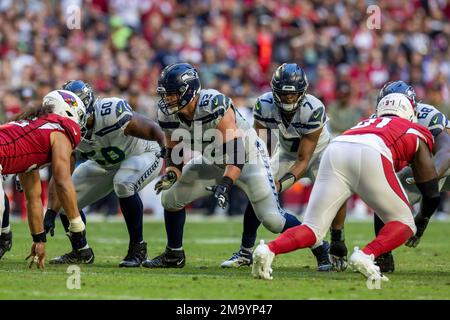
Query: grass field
{"type": "Point", "coordinates": [421, 273]}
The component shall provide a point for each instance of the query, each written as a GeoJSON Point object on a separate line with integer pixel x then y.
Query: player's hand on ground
{"type": "Point", "coordinates": [37, 255]}
{"type": "Point", "coordinates": [221, 191]}
{"type": "Point", "coordinates": [49, 221]}
{"type": "Point", "coordinates": [421, 225]}
{"type": "Point", "coordinates": [338, 255]}
{"type": "Point", "coordinates": [166, 181]}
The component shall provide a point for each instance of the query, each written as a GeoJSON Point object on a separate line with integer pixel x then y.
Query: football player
{"type": "Point", "coordinates": [231, 154]}
{"type": "Point", "coordinates": [40, 136]}
{"type": "Point", "coordinates": [300, 120]}
{"type": "Point", "coordinates": [438, 124]}
{"type": "Point", "coordinates": [364, 160]}
{"type": "Point", "coordinates": [5, 232]}
{"type": "Point", "coordinates": [123, 152]}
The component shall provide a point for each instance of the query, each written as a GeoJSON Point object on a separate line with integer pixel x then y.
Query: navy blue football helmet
{"type": "Point", "coordinates": [287, 80]}
{"type": "Point", "coordinates": [398, 87]}
{"type": "Point", "coordinates": [180, 79]}
{"type": "Point", "coordinates": [85, 92]}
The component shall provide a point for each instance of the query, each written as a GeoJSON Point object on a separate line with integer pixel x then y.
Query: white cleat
{"type": "Point", "coordinates": [262, 262]}
{"type": "Point", "coordinates": [363, 263]}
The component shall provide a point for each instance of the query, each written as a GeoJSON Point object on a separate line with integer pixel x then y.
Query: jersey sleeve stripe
{"type": "Point", "coordinates": [168, 125]}
{"type": "Point", "coordinates": [119, 124]}
{"type": "Point", "coordinates": [212, 116]}
{"type": "Point", "coordinates": [268, 120]}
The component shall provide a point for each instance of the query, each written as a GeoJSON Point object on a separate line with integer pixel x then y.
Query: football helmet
{"type": "Point", "coordinates": [289, 85]}
{"type": "Point", "coordinates": [85, 92]}
{"type": "Point", "coordinates": [66, 104]}
{"type": "Point", "coordinates": [178, 85]}
{"type": "Point", "coordinates": [397, 104]}
{"type": "Point", "coordinates": [398, 87]}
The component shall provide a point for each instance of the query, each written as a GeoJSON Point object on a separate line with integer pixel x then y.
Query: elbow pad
{"type": "Point", "coordinates": [430, 197]}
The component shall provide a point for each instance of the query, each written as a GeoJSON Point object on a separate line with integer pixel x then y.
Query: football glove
{"type": "Point", "coordinates": [338, 255]}
{"type": "Point", "coordinates": [166, 181]}
{"type": "Point", "coordinates": [221, 191]}
{"type": "Point", "coordinates": [49, 221]}
{"type": "Point", "coordinates": [421, 225]}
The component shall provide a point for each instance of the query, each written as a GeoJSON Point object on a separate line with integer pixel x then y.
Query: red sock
{"type": "Point", "coordinates": [293, 238]}
{"type": "Point", "coordinates": [391, 236]}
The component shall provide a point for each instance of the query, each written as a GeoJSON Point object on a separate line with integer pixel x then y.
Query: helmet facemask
{"type": "Point", "coordinates": [288, 100]}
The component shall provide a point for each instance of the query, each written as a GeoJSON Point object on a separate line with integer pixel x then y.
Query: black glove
{"type": "Point", "coordinates": [421, 224]}
{"type": "Point", "coordinates": [166, 181]}
{"type": "Point", "coordinates": [221, 191]}
{"type": "Point", "coordinates": [49, 221]}
{"type": "Point", "coordinates": [163, 153]}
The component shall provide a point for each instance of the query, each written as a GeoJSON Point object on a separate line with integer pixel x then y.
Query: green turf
{"type": "Point", "coordinates": [421, 273]}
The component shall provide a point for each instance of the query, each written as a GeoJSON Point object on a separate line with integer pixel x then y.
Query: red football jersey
{"type": "Point", "coordinates": [25, 145]}
{"type": "Point", "coordinates": [400, 136]}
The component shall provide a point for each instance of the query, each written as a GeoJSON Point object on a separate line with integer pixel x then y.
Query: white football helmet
{"type": "Point", "coordinates": [397, 104]}
{"type": "Point", "coordinates": [66, 104]}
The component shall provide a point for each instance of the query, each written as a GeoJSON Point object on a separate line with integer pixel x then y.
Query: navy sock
{"type": "Point", "coordinates": [174, 222]}
{"type": "Point", "coordinates": [291, 221]}
{"type": "Point", "coordinates": [5, 221]}
{"type": "Point", "coordinates": [251, 225]}
{"type": "Point", "coordinates": [133, 212]}
{"type": "Point", "coordinates": [378, 224]}
{"type": "Point", "coordinates": [65, 222]}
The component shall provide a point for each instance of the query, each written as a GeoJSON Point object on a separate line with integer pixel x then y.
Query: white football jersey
{"type": "Point", "coordinates": [210, 108]}
{"type": "Point", "coordinates": [309, 117]}
{"type": "Point", "coordinates": [106, 143]}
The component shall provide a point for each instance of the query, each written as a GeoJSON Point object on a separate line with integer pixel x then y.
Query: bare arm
{"type": "Point", "coordinates": [227, 127]}
{"type": "Point", "coordinates": [305, 151]}
{"type": "Point", "coordinates": [31, 184]}
{"type": "Point", "coordinates": [53, 200]}
{"type": "Point", "coordinates": [144, 128]}
{"type": "Point", "coordinates": [62, 175]}
{"type": "Point", "coordinates": [422, 164]}
{"type": "Point", "coordinates": [441, 151]}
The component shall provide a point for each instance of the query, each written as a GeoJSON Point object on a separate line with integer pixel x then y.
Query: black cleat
{"type": "Point", "coordinates": [168, 259]}
{"type": "Point", "coordinates": [5, 243]}
{"type": "Point", "coordinates": [137, 253]}
{"type": "Point", "coordinates": [242, 258]}
{"type": "Point", "coordinates": [83, 256]}
{"type": "Point", "coordinates": [386, 262]}
{"type": "Point", "coordinates": [338, 255]}
{"type": "Point", "coordinates": [322, 256]}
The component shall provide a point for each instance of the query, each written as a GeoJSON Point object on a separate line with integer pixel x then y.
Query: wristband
{"type": "Point", "coordinates": [286, 181]}
{"type": "Point", "coordinates": [40, 237]}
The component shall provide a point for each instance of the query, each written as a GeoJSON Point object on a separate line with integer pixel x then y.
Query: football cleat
{"type": "Point", "coordinates": [386, 262]}
{"type": "Point", "coordinates": [262, 262]}
{"type": "Point", "coordinates": [168, 259]}
{"type": "Point", "coordinates": [338, 255]}
{"type": "Point", "coordinates": [239, 259]}
{"type": "Point", "coordinates": [137, 253]}
{"type": "Point", "coordinates": [363, 263]}
{"type": "Point", "coordinates": [5, 243]}
{"type": "Point", "coordinates": [83, 256]}
{"type": "Point", "coordinates": [322, 256]}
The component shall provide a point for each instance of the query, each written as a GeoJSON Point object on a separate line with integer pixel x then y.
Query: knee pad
{"type": "Point", "coordinates": [273, 222]}
{"type": "Point", "coordinates": [169, 201]}
{"type": "Point", "coordinates": [124, 189]}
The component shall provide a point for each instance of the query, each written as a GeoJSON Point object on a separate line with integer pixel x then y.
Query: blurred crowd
{"type": "Point", "coordinates": [120, 47]}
